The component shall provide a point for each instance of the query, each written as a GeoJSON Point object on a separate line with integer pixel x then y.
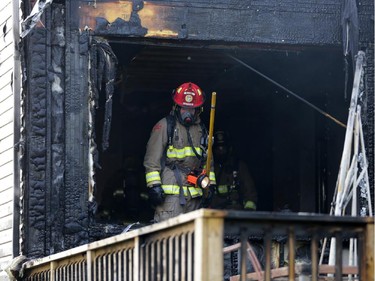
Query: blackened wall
{"type": "Point", "coordinates": [260, 22]}
{"type": "Point", "coordinates": [55, 212]}
{"type": "Point", "coordinates": [366, 38]}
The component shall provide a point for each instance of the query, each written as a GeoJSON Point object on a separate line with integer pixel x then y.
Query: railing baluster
{"type": "Point", "coordinates": [190, 256]}
{"type": "Point", "coordinates": [338, 262]}
{"type": "Point", "coordinates": [363, 254]}
{"type": "Point", "coordinates": [292, 254]}
{"type": "Point", "coordinates": [243, 254]}
{"type": "Point", "coordinates": [147, 262]}
{"type": "Point", "coordinates": [268, 249]}
{"type": "Point", "coordinates": [52, 271]}
{"type": "Point", "coordinates": [119, 268]}
{"type": "Point", "coordinates": [164, 259]}
{"type": "Point", "coordinates": [110, 266]}
{"type": "Point", "coordinates": [132, 266]}
{"type": "Point", "coordinates": [170, 259]}
{"type": "Point", "coordinates": [177, 258]}
{"type": "Point", "coordinates": [314, 257]}
{"type": "Point", "coordinates": [183, 257]}
{"type": "Point", "coordinates": [100, 268]}
{"type": "Point", "coordinates": [73, 271]}
{"type": "Point", "coordinates": [158, 260]}
{"type": "Point", "coordinates": [153, 261]}
{"type": "Point", "coordinates": [89, 265]}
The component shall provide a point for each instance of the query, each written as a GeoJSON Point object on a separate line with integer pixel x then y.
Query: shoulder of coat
{"type": "Point", "coordinates": [162, 123]}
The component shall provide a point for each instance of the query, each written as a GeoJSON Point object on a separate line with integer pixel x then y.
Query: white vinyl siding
{"type": "Point", "coordinates": [6, 135]}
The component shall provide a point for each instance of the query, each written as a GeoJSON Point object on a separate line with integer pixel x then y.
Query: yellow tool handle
{"type": "Point", "coordinates": [210, 133]}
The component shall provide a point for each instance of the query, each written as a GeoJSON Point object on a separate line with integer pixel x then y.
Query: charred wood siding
{"type": "Point", "coordinates": [56, 134]}
{"type": "Point", "coordinates": [255, 22]}
{"type": "Point", "coordinates": [366, 38]}
{"type": "Point", "coordinates": [76, 140]}
{"type": "Point", "coordinates": [367, 104]}
{"type": "Point", "coordinates": [6, 134]}
{"type": "Point", "coordinates": [36, 151]}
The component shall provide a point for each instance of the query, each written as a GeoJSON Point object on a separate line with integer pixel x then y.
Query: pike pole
{"type": "Point", "coordinates": [210, 138]}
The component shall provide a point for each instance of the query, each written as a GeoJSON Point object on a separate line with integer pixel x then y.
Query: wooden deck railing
{"type": "Point", "coordinates": [191, 247]}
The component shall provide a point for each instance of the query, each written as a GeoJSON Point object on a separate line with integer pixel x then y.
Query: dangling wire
{"type": "Point", "coordinates": [289, 91]}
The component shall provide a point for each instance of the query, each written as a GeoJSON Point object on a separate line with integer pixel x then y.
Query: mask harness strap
{"type": "Point", "coordinates": [171, 123]}
{"type": "Point", "coordinates": [177, 175]}
{"type": "Point", "coordinates": [192, 145]}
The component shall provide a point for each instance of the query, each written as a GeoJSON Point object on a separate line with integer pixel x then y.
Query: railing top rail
{"type": "Point", "coordinates": [150, 229]}
{"type": "Point", "coordinates": [300, 218]}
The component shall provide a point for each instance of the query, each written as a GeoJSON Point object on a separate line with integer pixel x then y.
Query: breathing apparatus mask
{"type": "Point", "coordinates": [187, 116]}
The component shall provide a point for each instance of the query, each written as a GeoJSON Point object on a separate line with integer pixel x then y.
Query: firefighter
{"type": "Point", "coordinates": [235, 187]}
{"type": "Point", "coordinates": [175, 150]}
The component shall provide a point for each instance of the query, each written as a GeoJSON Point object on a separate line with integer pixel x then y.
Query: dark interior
{"type": "Point", "coordinates": [293, 150]}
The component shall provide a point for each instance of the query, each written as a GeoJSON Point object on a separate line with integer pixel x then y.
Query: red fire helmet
{"type": "Point", "coordinates": [188, 95]}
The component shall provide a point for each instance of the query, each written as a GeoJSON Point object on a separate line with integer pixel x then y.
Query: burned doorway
{"type": "Point", "coordinates": [292, 150]}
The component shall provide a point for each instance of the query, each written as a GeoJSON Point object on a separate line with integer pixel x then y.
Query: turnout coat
{"type": "Point", "coordinates": [164, 163]}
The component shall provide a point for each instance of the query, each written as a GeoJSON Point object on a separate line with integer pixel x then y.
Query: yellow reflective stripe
{"type": "Point", "coordinates": [175, 189]}
{"type": "Point", "coordinates": [153, 176]}
{"type": "Point", "coordinates": [222, 189]}
{"type": "Point", "coordinates": [183, 152]}
{"type": "Point", "coordinates": [212, 176]}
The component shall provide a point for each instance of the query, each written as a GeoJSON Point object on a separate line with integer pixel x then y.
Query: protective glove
{"type": "Point", "coordinates": [156, 195]}
{"type": "Point", "coordinates": [207, 200]}
{"type": "Point", "coordinates": [249, 205]}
